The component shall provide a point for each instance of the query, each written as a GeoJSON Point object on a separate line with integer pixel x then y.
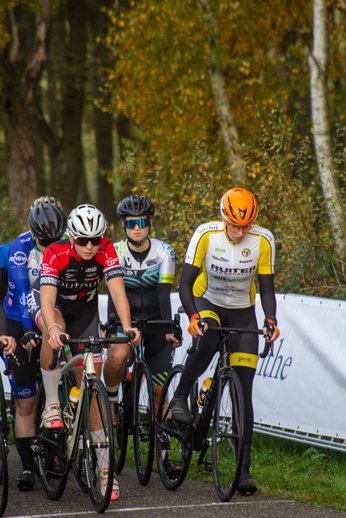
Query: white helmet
{"type": "Point", "coordinates": [86, 221]}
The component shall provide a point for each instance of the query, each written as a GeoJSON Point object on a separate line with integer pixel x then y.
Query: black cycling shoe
{"type": "Point", "coordinates": [170, 467]}
{"type": "Point", "coordinates": [180, 411]}
{"type": "Point", "coordinates": [26, 481]}
{"type": "Point", "coordinates": [246, 484]}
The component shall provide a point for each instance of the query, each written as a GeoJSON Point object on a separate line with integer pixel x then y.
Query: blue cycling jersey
{"type": "Point", "coordinates": [25, 262]}
{"type": "Point", "coordinates": [4, 256]}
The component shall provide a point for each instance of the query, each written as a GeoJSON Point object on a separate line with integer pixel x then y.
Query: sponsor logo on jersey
{"type": "Point", "coordinates": [112, 262]}
{"type": "Point", "coordinates": [246, 252]}
{"type": "Point", "coordinates": [48, 280]}
{"type": "Point", "coordinates": [232, 271]}
{"type": "Point", "coordinates": [249, 261]}
{"type": "Point", "coordinates": [69, 275]}
{"type": "Point", "coordinates": [151, 262]}
{"type": "Point", "coordinates": [128, 262]}
{"type": "Point", "coordinates": [91, 270]}
{"type": "Point", "coordinates": [26, 240]}
{"type": "Point", "coordinates": [19, 258]}
{"type": "Point", "coordinates": [74, 285]}
{"type": "Point", "coordinates": [222, 259]}
{"type": "Point", "coordinates": [220, 250]}
{"type": "Point", "coordinates": [25, 392]}
{"type": "Point", "coordinates": [46, 269]}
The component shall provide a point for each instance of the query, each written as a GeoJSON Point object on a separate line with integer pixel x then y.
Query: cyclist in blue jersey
{"type": "Point", "coordinates": [47, 224]}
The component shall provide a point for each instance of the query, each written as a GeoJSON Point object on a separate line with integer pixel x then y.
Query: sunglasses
{"type": "Point", "coordinates": [236, 228]}
{"type": "Point", "coordinates": [141, 222]}
{"type": "Point", "coordinates": [46, 242]}
{"type": "Point", "coordinates": [83, 241]}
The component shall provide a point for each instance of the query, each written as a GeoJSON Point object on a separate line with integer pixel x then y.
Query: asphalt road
{"type": "Point", "coordinates": [192, 499]}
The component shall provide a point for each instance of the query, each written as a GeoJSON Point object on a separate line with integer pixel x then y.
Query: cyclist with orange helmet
{"type": "Point", "coordinates": [217, 288]}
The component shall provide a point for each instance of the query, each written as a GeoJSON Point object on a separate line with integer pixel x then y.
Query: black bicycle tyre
{"type": "Point", "coordinates": [228, 434]}
{"type": "Point", "coordinates": [172, 432]}
{"type": "Point", "coordinates": [3, 475]}
{"type": "Point", "coordinates": [3, 413]}
{"type": "Point", "coordinates": [121, 428]}
{"type": "Point", "coordinates": [143, 423]}
{"type": "Point", "coordinates": [99, 501]}
{"type": "Point", "coordinates": [53, 485]}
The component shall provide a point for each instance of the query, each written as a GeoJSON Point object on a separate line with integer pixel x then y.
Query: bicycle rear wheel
{"type": "Point", "coordinates": [144, 421]}
{"type": "Point", "coordinates": [98, 445]}
{"type": "Point", "coordinates": [3, 474]}
{"type": "Point", "coordinates": [228, 434]}
{"type": "Point", "coordinates": [121, 426]}
{"type": "Point", "coordinates": [51, 456]}
{"type": "Point", "coordinates": [173, 451]}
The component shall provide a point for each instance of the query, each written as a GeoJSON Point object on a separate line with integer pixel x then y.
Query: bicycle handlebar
{"type": "Point", "coordinates": [233, 331]}
{"type": "Point", "coordinates": [91, 341]}
{"type": "Point", "coordinates": [11, 358]}
{"type": "Point", "coordinates": [143, 322]}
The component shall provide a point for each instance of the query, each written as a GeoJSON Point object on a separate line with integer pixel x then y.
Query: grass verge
{"type": "Point", "coordinates": [286, 469]}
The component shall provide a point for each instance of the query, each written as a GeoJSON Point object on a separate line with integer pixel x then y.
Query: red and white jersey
{"type": "Point", "coordinates": [75, 279]}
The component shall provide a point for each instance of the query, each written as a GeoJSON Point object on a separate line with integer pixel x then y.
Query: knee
{"type": "Point", "coordinates": [117, 357]}
{"type": "Point", "coordinates": [25, 407]}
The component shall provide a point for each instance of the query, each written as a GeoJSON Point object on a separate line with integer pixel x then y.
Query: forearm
{"type": "Point", "coordinates": [267, 293]}
{"type": "Point", "coordinates": [188, 277]}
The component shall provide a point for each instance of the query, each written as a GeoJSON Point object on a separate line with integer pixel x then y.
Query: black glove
{"type": "Point", "coordinates": [29, 334]}
{"type": "Point", "coordinates": [271, 324]}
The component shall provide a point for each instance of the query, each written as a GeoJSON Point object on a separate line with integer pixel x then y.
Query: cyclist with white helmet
{"type": "Point", "coordinates": [71, 273]}
{"type": "Point", "coordinates": [148, 267]}
{"type": "Point", "coordinates": [217, 287]}
{"type": "Point", "coordinates": [47, 224]}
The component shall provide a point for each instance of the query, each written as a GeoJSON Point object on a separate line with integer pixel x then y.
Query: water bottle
{"type": "Point", "coordinates": [204, 391]}
{"type": "Point", "coordinates": [74, 397]}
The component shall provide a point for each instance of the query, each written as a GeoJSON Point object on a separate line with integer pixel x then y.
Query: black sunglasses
{"type": "Point", "coordinates": [47, 242]}
{"type": "Point", "coordinates": [83, 241]}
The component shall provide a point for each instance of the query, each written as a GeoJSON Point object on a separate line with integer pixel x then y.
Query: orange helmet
{"type": "Point", "coordinates": [238, 207]}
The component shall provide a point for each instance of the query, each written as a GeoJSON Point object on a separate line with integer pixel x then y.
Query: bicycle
{"type": "Point", "coordinates": [176, 442]}
{"type": "Point", "coordinates": [4, 430]}
{"type": "Point", "coordinates": [58, 449]}
{"type": "Point", "coordinates": [135, 407]}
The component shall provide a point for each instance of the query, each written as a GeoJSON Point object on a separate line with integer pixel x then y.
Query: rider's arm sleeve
{"type": "Point", "coordinates": [3, 323]}
{"type": "Point", "coordinates": [267, 293]}
{"type": "Point", "coordinates": [188, 277]}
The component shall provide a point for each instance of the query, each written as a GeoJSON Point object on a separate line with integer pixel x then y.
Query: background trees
{"type": "Point", "coordinates": [181, 100]}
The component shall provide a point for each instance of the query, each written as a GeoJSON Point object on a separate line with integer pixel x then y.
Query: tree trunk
{"type": "Point", "coordinates": [20, 79]}
{"type": "Point", "coordinates": [229, 130]}
{"type": "Point", "coordinates": [319, 63]}
{"type": "Point", "coordinates": [103, 120]}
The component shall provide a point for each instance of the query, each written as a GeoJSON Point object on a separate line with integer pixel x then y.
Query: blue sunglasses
{"type": "Point", "coordinates": [141, 222]}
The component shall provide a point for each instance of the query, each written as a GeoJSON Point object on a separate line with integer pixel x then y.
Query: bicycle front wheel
{"type": "Point", "coordinates": [3, 412]}
{"type": "Point", "coordinates": [51, 456]}
{"type": "Point", "coordinates": [3, 475]}
{"type": "Point", "coordinates": [144, 420]}
{"type": "Point", "coordinates": [98, 445]}
{"type": "Point", "coordinates": [173, 448]}
{"type": "Point", "coordinates": [228, 434]}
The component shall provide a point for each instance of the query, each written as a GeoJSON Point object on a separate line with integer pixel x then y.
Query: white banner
{"type": "Point", "coordinates": [303, 386]}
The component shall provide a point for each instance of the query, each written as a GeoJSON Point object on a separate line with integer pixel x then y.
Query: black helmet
{"type": "Point", "coordinates": [46, 221]}
{"type": "Point", "coordinates": [135, 206]}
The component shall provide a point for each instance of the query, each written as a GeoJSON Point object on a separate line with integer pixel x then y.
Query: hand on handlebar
{"type": "Point", "coordinates": [171, 338]}
{"type": "Point", "coordinates": [137, 333]}
{"type": "Point", "coordinates": [195, 328]}
{"type": "Point", "coordinates": [54, 340]}
{"type": "Point", "coordinates": [9, 343]}
{"type": "Point", "coordinates": [270, 331]}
